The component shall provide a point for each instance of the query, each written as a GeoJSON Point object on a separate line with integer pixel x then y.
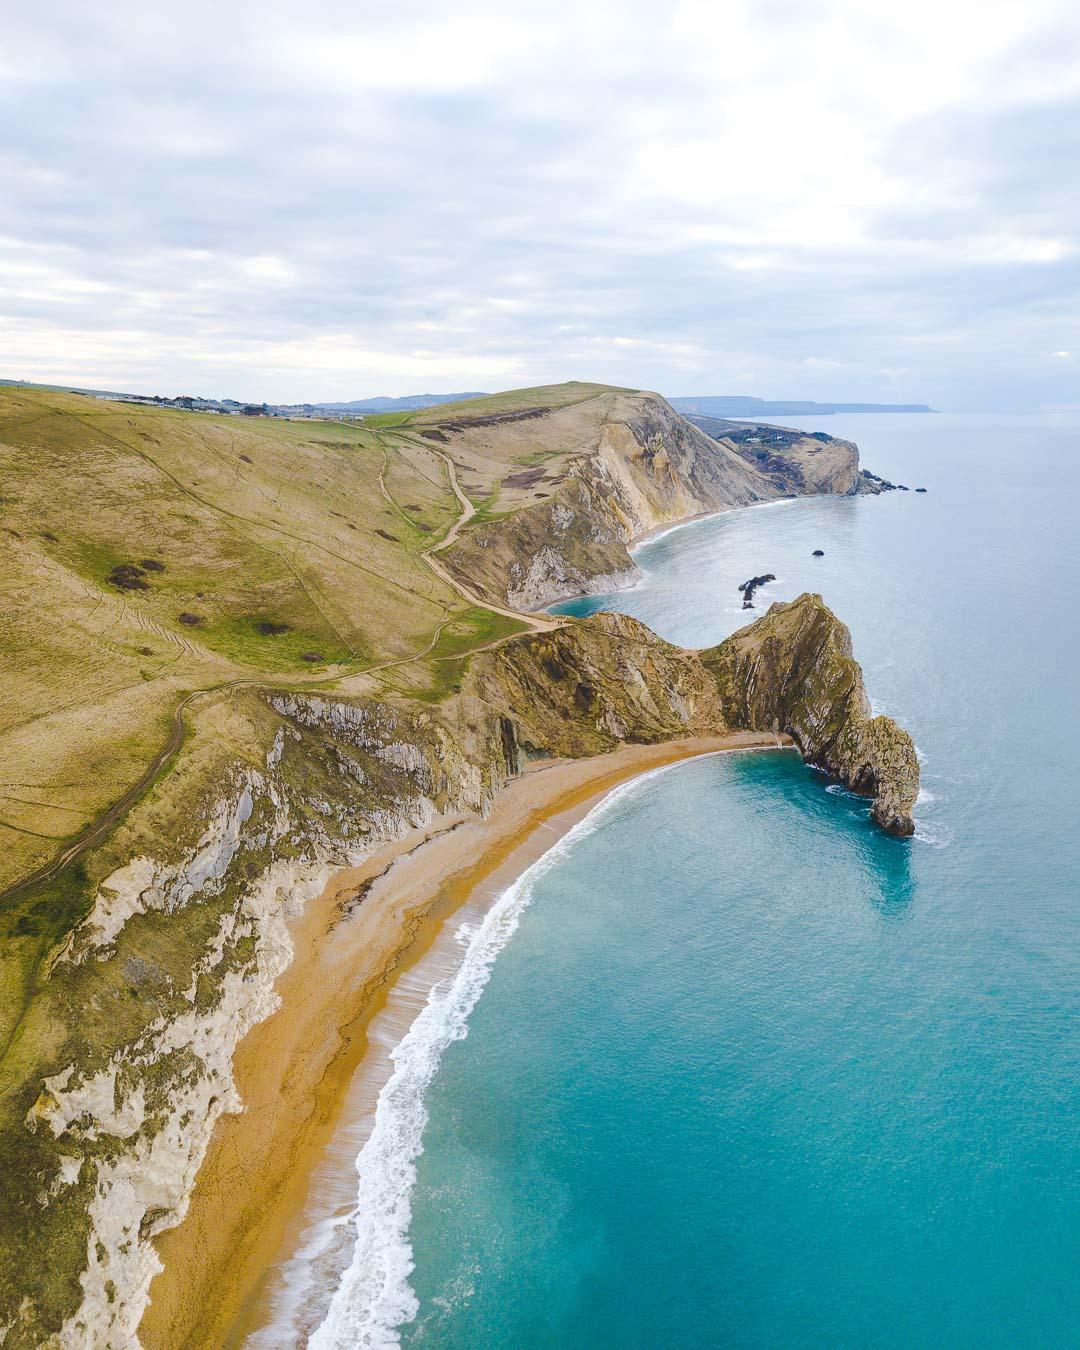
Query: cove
{"type": "Point", "coordinates": [749, 1072]}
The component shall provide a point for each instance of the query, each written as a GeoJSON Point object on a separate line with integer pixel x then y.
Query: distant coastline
{"type": "Point", "coordinates": [743, 406]}
{"type": "Point", "coordinates": [713, 405]}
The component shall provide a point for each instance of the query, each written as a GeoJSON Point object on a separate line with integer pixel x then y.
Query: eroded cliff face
{"type": "Point", "coordinates": [649, 467]}
{"type": "Point", "coordinates": [795, 462]}
{"type": "Point", "coordinates": [793, 671]}
{"type": "Point", "coordinates": [178, 955]}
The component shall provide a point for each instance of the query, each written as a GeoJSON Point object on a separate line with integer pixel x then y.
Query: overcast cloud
{"type": "Point", "coordinates": [334, 199]}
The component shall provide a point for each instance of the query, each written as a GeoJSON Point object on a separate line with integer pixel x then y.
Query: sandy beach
{"type": "Point", "coordinates": [370, 925]}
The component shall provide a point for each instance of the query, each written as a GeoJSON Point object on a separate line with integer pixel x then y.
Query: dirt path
{"type": "Point", "coordinates": [537, 623]}
{"type": "Point", "coordinates": [99, 828]}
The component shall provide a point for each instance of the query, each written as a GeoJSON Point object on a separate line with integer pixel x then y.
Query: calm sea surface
{"type": "Point", "coordinates": [746, 1071]}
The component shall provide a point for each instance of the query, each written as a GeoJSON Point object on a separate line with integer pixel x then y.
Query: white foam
{"type": "Point", "coordinates": [938, 836]}
{"type": "Point", "coordinates": [652, 537]}
{"type": "Point", "coordinates": [374, 1297]}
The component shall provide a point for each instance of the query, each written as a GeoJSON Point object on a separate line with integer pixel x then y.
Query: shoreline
{"type": "Point", "coordinates": [659, 531]}
{"type": "Point", "coordinates": [639, 541]}
{"type": "Point", "coordinates": [293, 1071]}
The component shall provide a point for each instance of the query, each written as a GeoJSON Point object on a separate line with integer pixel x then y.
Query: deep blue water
{"type": "Point", "coordinates": [751, 1073]}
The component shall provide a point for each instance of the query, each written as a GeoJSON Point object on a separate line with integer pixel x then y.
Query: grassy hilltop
{"type": "Point", "coordinates": [152, 552]}
{"type": "Point", "coordinates": [158, 562]}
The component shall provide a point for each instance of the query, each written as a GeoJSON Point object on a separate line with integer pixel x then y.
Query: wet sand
{"type": "Point", "coordinates": [295, 1069]}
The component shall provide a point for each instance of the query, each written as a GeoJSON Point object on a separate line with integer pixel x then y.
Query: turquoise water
{"type": "Point", "coordinates": [746, 1071]}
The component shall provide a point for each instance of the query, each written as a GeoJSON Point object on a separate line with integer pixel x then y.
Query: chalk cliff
{"type": "Point", "coordinates": [799, 463]}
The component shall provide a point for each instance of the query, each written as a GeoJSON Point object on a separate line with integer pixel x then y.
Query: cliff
{"type": "Point", "coordinates": [179, 949]}
{"type": "Point", "coordinates": [796, 462]}
{"type": "Point", "coordinates": [644, 467]}
{"type": "Point", "coordinates": [793, 671]}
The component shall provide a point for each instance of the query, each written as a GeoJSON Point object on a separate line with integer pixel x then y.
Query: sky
{"type": "Point", "coordinates": [336, 199]}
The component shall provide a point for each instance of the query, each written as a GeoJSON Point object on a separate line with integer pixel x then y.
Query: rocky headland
{"type": "Point", "coordinates": [645, 467]}
{"type": "Point", "coordinates": [794, 671]}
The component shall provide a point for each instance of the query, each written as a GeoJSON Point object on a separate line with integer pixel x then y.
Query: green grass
{"type": "Point", "coordinates": [377, 421]}
{"type": "Point", "coordinates": [474, 628]}
{"type": "Point", "coordinates": [515, 400]}
{"type": "Point", "coordinates": [252, 520]}
{"type": "Point", "coordinates": [244, 639]}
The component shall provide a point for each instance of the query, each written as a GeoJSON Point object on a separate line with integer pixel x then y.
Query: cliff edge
{"type": "Point", "coordinates": [793, 670]}
{"type": "Point", "coordinates": [635, 465]}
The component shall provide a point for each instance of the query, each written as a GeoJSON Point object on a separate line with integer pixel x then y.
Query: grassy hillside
{"type": "Point", "coordinates": [148, 553]}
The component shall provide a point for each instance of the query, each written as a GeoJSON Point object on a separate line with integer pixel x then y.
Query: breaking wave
{"type": "Point", "coordinates": [374, 1297]}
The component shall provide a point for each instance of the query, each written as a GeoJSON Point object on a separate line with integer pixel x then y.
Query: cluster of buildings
{"type": "Point", "coordinates": [230, 406]}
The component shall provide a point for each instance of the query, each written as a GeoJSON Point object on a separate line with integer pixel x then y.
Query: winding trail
{"type": "Point", "coordinates": [537, 623]}
{"type": "Point", "coordinates": [109, 818]}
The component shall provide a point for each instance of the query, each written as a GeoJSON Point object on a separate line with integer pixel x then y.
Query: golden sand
{"type": "Point", "coordinates": [293, 1069]}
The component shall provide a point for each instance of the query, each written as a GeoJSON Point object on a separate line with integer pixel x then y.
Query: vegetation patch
{"type": "Point", "coordinates": [274, 644]}
{"type": "Point", "coordinates": [128, 577]}
{"type": "Point", "coordinates": [474, 628]}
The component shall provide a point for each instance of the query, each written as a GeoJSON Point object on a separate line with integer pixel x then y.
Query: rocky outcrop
{"type": "Point", "coordinates": [749, 588]}
{"type": "Point", "coordinates": [794, 671]}
{"type": "Point", "coordinates": [873, 484]}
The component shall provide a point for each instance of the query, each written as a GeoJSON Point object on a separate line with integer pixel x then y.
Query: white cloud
{"type": "Point", "coordinates": [291, 200]}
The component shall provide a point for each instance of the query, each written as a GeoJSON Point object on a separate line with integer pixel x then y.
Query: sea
{"type": "Point", "coordinates": [730, 1067]}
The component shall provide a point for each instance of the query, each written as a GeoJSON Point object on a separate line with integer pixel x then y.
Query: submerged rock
{"type": "Point", "coordinates": [793, 671]}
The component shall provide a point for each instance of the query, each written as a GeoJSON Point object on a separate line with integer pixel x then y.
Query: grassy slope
{"type": "Point", "coordinates": [269, 552]}
{"type": "Point", "coordinates": [506, 460]}
{"type": "Point", "coordinates": [254, 523]}
{"type": "Point", "coordinates": [278, 537]}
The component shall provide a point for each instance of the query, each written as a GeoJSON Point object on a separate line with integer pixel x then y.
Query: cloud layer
{"type": "Point", "coordinates": [330, 200]}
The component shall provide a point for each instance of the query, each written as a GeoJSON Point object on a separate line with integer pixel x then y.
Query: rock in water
{"type": "Point", "coordinates": [749, 587]}
{"type": "Point", "coordinates": [920, 489]}
{"type": "Point", "coordinates": [793, 671]}
{"type": "Point", "coordinates": [818, 553]}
